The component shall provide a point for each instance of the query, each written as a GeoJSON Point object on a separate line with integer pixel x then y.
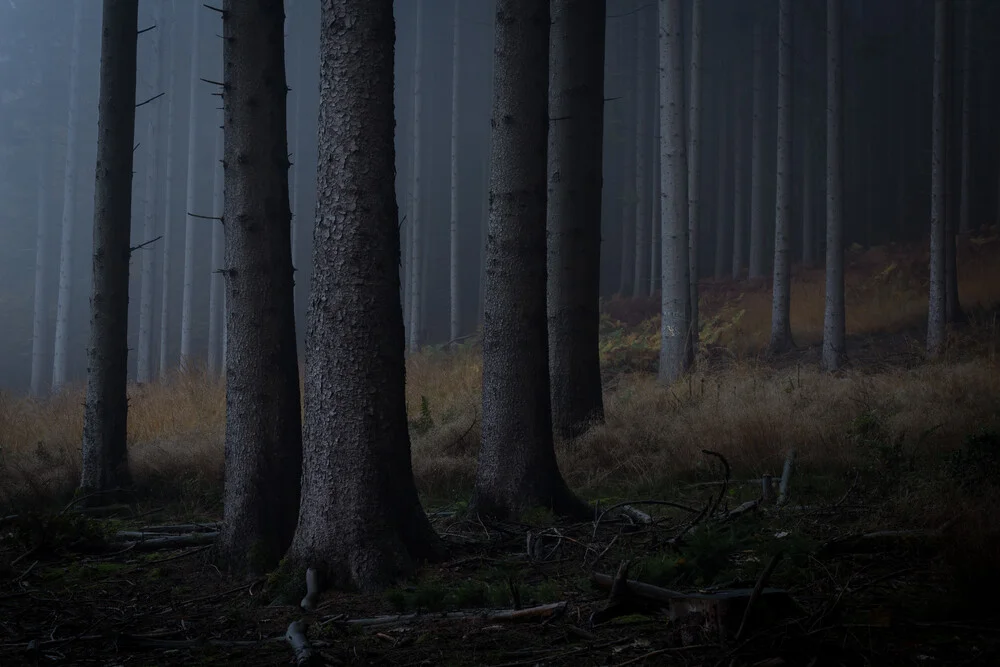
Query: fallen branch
{"type": "Point", "coordinates": [884, 540]}
{"type": "Point", "coordinates": [540, 612]}
{"type": "Point", "coordinates": [725, 485]}
{"type": "Point", "coordinates": [183, 528]}
{"type": "Point", "coordinates": [160, 543]}
{"type": "Point", "coordinates": [786, 476]}
{"type": "Point", "coordinates": [296, 637]}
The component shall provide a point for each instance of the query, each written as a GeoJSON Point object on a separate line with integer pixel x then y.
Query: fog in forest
{"type": "Point", "coordinates": [49, 64]}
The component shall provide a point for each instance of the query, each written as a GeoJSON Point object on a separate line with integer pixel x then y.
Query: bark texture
{"type": "Point", "coordinates": [936, 315]}
{"type": "Point", "coordinates": [723, 214]}
{"type": "Point", "coordinates": [517, 462]}
{"type": "Point", "coordinates": [575, 150]}
{"type": "Point", "coordinates": [739, 201]}
{"type": "Point", "coordinates": [833, 317]}
{"type": "Point", "coordinates": [756, 261]}
{"type": "Point", "coordinates": [263, 424]}
{"type": "Point", "coordinates": [105, 455]}
{"type": "Point", "coordinates": [808, 215]}
{"type": "Point", "coordinates": [215, 313]}
{"type": "Point", "coordinates": [628, 27]}
{"type": "Point", "coordinates": [360, 522]}
{"type": "Point", "coordinates": [416, 232]}
{"type": "Point", "coordinates": [964, 204]}
{"type": "Point", "coordinates": [187, 292]}
{"type": "Point", "coordinates": [453, 291]}
{"type": "Point", "coordinates": [643, 205]}
{"type": "Point", "coordinates": [168, 200]}
{"type": "Point", "coordinates": [694, 164]}
{"type": "Point", "coordinates": [675, 301]}
{"type": "Point", "coordinates": [40, 314]}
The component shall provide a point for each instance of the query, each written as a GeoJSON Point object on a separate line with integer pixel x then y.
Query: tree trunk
{"type": "Point", "coordinates": [694, 166]}
{"type": "Point", "coordinates": [739, 205]}
{"type": "Point", "coordinates": [936, 316]}
{"type": "Point", "coordinates": [781, 299]}
{"type": "Point", "coordinates": [40, 321]}
{"type": "Point", "coordinates": [64, 297]}
{"type": "Point", "coordinates": [416, 231]}
{"type": "Point", "coordinates": [626, 284]}
{"type": "Point", "coordinates": [675, 302]}
{"type": "Point", "coordinates": [361, 522]}
{"type": "Point", "coordinates": [263, 424]}
{"type": "Point", "coordinates": [575, 154]}
{"type": "Point", "coordinates": [453, 230]}
{"type": "Point", "coordinates": [643, 205]}
{"type": "Point", "coordinates": [143, 366]}
{"type": "Point", "coordinates": [756, 269]}
{"type": "Point", "coordinates": [833, 317]}
{"type": "Point", "coordinates": [952, 307]}
{"type": "Point", "coordinates": [517, 462]}
{"type": "Point", "coordinates": [808, 221]}
{"type": "Point", "coordinates": [105, 455]}
{"type": "Point", "coordinates": [655, 271]}
{"type": "Point", "coordinates": [168, 198]}
{"type": "Point", "coordinates": [187, 296]}
{"type": "Point", "coordinates": [299, 216]}
{"type": "Point", "coordinates": [215, 313]}
{"type": "Point", "coordinates": [723, 221]}
{"type": "Point", "coordinates": [964, 207]}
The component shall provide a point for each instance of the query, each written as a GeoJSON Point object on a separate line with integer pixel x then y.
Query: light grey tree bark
{"type": "Point", "coordinates": [416, 224]}
{"type": "Point", "coordinates": [168, 199]}
{"type": "Point", "coordinates": [144, 348]}
{"type": "Point", "coordinates": [694, 164]}
{"type": "Point", "coordinates": [453, 228]}
{"type": "Point", "coordinates": [936, 316]}
{"type": "Point", "coordinates": [739, 203]}
{"type": "Point", "coordinates": [834, 323]}
{"type": "Point", "coordinates": [187, 296]}
{"type": "Point", "coordinates": [756, 267]}
{"type": "Point", "coordinates": [781, 294]}
{"type": "Point", "coordinates": [517, 462]}
{"type": "Point", "coordinates": [676, 353]}
{"type": "Point", "coordinates": [360, 521]}
{"type": "Point", "coordinates": [105, 454]}
{"type": "Point", "coordinates": [575, 159]}
{"type": "Point", "coordinates": [64, 296]}
{"type": "Point", "coordinates": [215, 280]}
{"type": "Point", "coordinates": [643, 204]}
{"type": "Point", "coordinates": [263, 425]}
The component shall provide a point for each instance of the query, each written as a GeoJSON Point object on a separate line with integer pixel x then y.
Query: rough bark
{"type": "Point", "coordinates": [416, 231]}
{"type": "Point", "coordinates": [694, 165]}
{"type": "Point", "coordinates": [64, 295]}
{"type": "Point", "coordinates": [739, 203]}
{"type": "Point", "coordinates": [643, 205]}
{"type": "Point", "coordinates": [215, 314]}
{"type": "Point", "coordinates": [263, 425]}
{"type": "Point", "coordinates": [105, 455]}
{"type": "Point", "coordinates": [187, 294]}
{"type": "Point", "coordinates": [360, 522]}
{"type": "Point", "coordinates": [675, 300]}
{"type": "Point", "coordinates": [517, 463]}
{"type": "Point", "coordinates": [756, 260]}
{"type": "Point", "coordinates": [575, 159]}
{"type": "Point", "coordinates": [297, 176]}
{"type": "Point", "coordinates": [834, 334]}
{"type": "Point", "coordinates": [453, 227]}
{"type": "Point", "coordinates": [936, 316]}
{"type": "Point", "coordinates": [168, 199]}
{"type": "Point", "coordinates": [144, 348]}
{"type": "Point", "coordinates": [781, 294]}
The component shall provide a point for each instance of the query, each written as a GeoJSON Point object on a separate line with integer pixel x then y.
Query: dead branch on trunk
{"type": "Point", "coordinates": [312, 591]}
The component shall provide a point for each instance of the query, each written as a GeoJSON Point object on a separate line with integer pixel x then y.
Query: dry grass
{"type": "Point", "coordinates": [749, 411]}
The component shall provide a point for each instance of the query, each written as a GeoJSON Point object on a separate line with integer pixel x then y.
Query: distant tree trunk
{"type": "Point", "coordinates": [299, 216]}
{"type": "Point", "coordinates": [168, 198]}
{"type": "Point", "coordinates": [808, 222]}
{"type": "Point", "coordinates": [694, 166]}
{"type": "Point", "coordinates": [517, 462]}
{"type": "Point", "coordinates": [416, 224]}
{"type": "Point", "coordinates": [484, 228]}
{"type": "Point", "coordinates": [739, 204]}
{"type": "Point", "coordinates": [676, 353]}
{"type": "Point", "coordinates": [575, 154]}
{"type": "Point", "coordinates": [64, 297]}
{"type": "Point", "coordinates": [643, 205]}
{"type": "Point", "coordinates": [263, 424]}
{"type": "Point", "coordinates": [952, 307]}
{"type": "Point", "coordinates": [723, 215]}
{"type": "Point", "coordinates": [105, 455]}
{"type": "Point", "coordinates": [40, 321]}
{"type": "Point", "coordinates": [781, 299]}
{"type": "Point", "coordinates": [655, 271]}
{"type": "Point", "coordinates": [144, 352]}
{"type": "Point", "coordinates": [453, 231]}
{"type": "Point", "coordinates": [361, 522]}
{"type": "Point", "coordinates": [626, 283]}
{"type": "Point", "coordinates": [215, 314]}
{"type": "Point", "coordinates": [964, 212]}
{"type": "Point", "coordinates": [834, 334]}
{"type": "Point", "coordinates": [937, 315]}
{"type": "Point", "coordinates": [187, 300]}
{"type": "Point", "coordinates": [756, 269]}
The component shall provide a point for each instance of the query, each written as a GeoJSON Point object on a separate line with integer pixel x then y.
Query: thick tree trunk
{"type": "Point", "coordinates": [144, 352]}
{"type": "Point", "coordinates": [643, 204]}
{"type": "Point", "coordinates": [937, 316]}
{"type": "Point", "coordinates": [105, 455]}
{"type": "Point", "coordinates": [694, 166]}
{"type": "Point", "coordinates": [756, 269]}
{"type": "Point", "coordinates": [834, 318]}
{"type": "Point", "coordinates": [215, 279]}
{"type": "Point", "coordinates": [416, 230]}
{"type": "Point", "coordinates": [40, 321]}
{"type": "Point", "coordinates": [361, 522]}
{"type": "Point", "coordinates": [64, 296]}
{"type": "Point", "coordinates": [187, 296]}
{"type": "Point", "coordinates": [517, 462]}
{"type": "Point", "coordinates": [781, 295]}
{"type": "Point", "coordinates": [263, 424]}
{"type": "Point", "coordinates": [453, 228]}
{"type": "Point", "coordinates": [168, 192]}
{"type": "Point", "coordinates": [739, 203]}
{"type": "Point", "coordinates": [575, 154]}
{"type": "Point", "coordinates": [675, 301]}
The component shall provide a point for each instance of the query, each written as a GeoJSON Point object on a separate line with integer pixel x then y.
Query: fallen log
{"type": "Point", "coordinates": [540, 612]}
{"type": "Point", "coordinates": [159, 542]}
{"type": "Point", "coordinates": [296, 637]}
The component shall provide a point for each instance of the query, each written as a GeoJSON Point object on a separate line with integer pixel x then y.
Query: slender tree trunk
{"type": "Point", "coordinates": [517, 462]}
{"type": "Point", "coordinates": [168, 192]}
{"type": "Point", "coordinates": [675, 302]}
{"type": "Point", "coordinates": [64, 297]}
{"type": "Point", "coordinates": [739, 204]}
{"type": "Point", "coordinates": [187, 300]}
{"type": "Point", "coordinates": [361, 522]}
{"type": "Point", "coordinates": [756, 269]}
{"type": "Point", "coordinates": [781, 299]}
{"type": "Point", "coordinates": [575, 154]}
{"type": "Point", "coordinates": [964, 207]}
{"type": "Point", "coordinates": [952, 155]}
{"type": "Point", "coordinates": [808, 221]}
{"type": "Point", "coordinates": [105, 456]}
{"type": "Point", "coordinates": [694, 166]}
{"type": "Point", "coordinates": [215, 314]}
{"type": "Point", "coordinates": [643, 205]}
{"type": "Point", "coordinates": [144, 353]}
{"type": "Point", "coordinates": [453, 231]}
{"type": "Point", "coordinates": [723, 214]}
{"type": "Point", "coordinates": [626, 283]}
{"type": "Point", "coordinates": [655, 271]}
{"type": "Point", "coordinates": [41, 315]}
{"type": "Point", "coordinates": [937, 316]}
{"type": "Point", "coordinates": [300, 217]}
{"type": "Point", "coordinates": [484, 228]}
{"type": "Point", "coordinates": [416, 226]}
{"type": "Point", "coordinates": [263, 424]}
{"type": "Point", "coordinates": [834, 334]}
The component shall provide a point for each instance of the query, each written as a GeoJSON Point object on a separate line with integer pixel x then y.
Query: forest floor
{"type": "Point", "coordinates": [885, 552]}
